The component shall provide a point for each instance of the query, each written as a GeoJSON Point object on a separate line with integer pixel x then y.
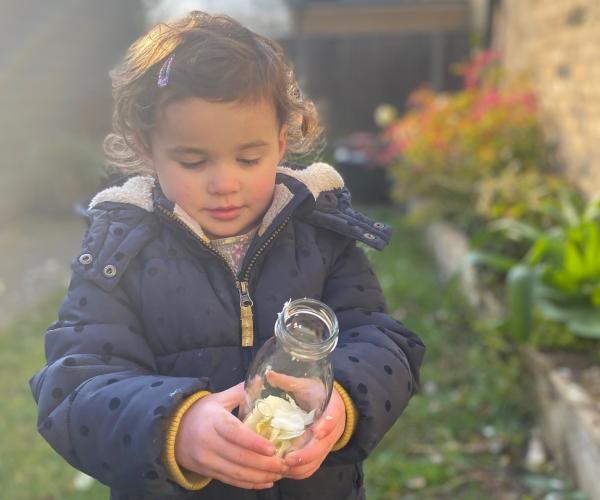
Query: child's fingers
{"type": "Point", "coordinates": [305, 464]}
{"type": "Point", "coordinates": [235, 432]}
{"type": "Point", "coordinates": [315, 451]}
{"type": "Point", "coordinates": [246, 458]}
{"type": "Point", "coordinates": [236, 473]}
{"type": "Point", "coordinates": [230, 398]}
{"type": "Point", "coordinates": [240, 484]}
{"type": "Point", "coordinates": [302, 472]}
{"type": "Point", "coordinates": [282, 381]}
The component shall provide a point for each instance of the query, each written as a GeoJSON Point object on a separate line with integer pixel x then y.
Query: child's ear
{"type": "Point", "coordinates": [282, 140]}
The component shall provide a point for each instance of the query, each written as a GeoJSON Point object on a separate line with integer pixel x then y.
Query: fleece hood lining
{"type": "Point", "coordinates": [318, 178]}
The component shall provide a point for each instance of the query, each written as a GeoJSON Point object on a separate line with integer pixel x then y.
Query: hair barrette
{"type": "Point", "coordinates": [165, 70]}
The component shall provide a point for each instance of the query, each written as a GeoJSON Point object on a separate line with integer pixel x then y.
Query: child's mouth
{"type": "Point", "coordinates": [225, 213]}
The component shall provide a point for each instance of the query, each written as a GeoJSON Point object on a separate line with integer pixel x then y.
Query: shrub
{"type": "Point", "coordinates": [448, 146]}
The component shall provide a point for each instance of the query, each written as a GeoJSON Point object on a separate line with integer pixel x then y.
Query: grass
{"type": "Point", "coordinates": [464, 435]}
{"type": "Point", "coordinates": [459, 438]}
{"type": "Point", "coordinates": [29, 468]}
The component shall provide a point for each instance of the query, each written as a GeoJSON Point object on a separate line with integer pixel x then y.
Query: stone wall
{"type": "Point", "coordinates": [556, 43]}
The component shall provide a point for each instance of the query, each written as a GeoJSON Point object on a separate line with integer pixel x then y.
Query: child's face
{"type": "Point", "coordinates": [218, 160]}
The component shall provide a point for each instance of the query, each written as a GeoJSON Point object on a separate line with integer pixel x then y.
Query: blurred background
{"type": "Point", "coordinates": [472, 126]}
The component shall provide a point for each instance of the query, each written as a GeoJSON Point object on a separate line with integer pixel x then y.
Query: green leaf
{"type": "Point", "coordinates": [554, 312]}
{"type": "Point", "coordinates": [581, 321]}
{"type": "Point", "coordinates": [520, 286]}
{"type": "Point", "coordinates": [546, 248]}
{"type": "Point", "coordinates": [495, 261]}
{"type": "Point", "coordinates": [516, 229]}
{"type": "Point", "coordinates": [569, 211]}
{"type": "Point", "coordinates": [591, 250]}
{"type": "Point", "coordinates": [574, 264]}
{"type": "Point", "coordinates": [595, 296]}
{"type": "Point", "coordinates": [593, 209]}
{"type": "Point", "coordinates": [544, 292]}
{"type": "Point", "coordinates": [588, 328]}
{"type": "Point", "coordinates": [563, 281]}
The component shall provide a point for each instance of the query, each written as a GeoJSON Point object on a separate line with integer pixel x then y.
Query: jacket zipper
{"type": "Point", "coordinates": [246, 303]}
{"type": "Point", "coordinates": [243, 286]}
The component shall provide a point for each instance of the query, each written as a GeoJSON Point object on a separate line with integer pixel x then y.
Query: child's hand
{"type": "Point", "coordinates": [305, 391]}
{"type": "Point", "coordinates": [326, 432]}
{"type": "Point", "coordinates": [214, 443]}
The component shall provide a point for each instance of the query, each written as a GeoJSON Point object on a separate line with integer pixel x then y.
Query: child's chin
{"type": "Point", "coordinates": [232, 229]}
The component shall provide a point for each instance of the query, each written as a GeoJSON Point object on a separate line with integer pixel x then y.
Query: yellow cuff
{"type": "Point", "coordinates": [351, 417]}
{"type": "Point", "coordinates": [183, 477]}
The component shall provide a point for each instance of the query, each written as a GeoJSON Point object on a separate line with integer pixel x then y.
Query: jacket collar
{"type": "Point", "coordinates": [292, 187]}
{"type": "Point", "coordinates": [318, 197]}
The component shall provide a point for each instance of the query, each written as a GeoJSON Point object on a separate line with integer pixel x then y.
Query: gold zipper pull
{"type": "Point", "coordinates": [246, 315]}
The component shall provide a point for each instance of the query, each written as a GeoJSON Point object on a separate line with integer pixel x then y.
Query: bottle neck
{"type": "Point", "coordinates": [307, 329]}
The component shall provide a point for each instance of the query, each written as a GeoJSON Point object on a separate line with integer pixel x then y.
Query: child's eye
{"type": "Point", "coordinates": [249, 162]}
{"type": "Point", "coordinates": [192, 164]}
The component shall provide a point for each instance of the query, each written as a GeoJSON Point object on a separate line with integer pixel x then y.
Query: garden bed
{"type": "Point", "coordinates": [566, 390]}
{"type": "Point", "coordinates": [566, 385]}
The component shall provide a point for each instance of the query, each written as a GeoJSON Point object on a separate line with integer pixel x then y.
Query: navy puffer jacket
{"type": "Point", "coordinates": [152, 315]}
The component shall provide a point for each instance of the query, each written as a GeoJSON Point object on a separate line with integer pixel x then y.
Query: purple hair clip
{"type": "Point", "coordinates": [165, 70]}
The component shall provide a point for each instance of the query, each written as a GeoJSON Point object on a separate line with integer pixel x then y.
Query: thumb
{"type": "Point", "coordinates": [232, 397]}
{"type": "Point", "coordinates": [282, 381]}
{"type": "Point", "coordinates": [332, 415]}
{"type": "Point", "coordinates": [324, 426]}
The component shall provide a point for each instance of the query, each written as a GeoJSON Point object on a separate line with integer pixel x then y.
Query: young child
{"type": "Point", "coordinates": [184, 268]}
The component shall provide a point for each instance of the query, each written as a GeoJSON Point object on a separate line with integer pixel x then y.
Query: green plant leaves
{"type": "Point", "coordinates": [581, 321]}
{"type": "Point", "coordinates": [496, 261]}
{"type": "Point", "coordinates": [520, 285]}
{"type": "Point", "coordinates": [517, 229]}
{"type": "Point", "coordinates": [573, 265]}
{"type": "Point", "coordinates": [559, 277]}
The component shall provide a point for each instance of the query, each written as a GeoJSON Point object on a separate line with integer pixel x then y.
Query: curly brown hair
{"type": "Point", "coordinates": [215, 58]}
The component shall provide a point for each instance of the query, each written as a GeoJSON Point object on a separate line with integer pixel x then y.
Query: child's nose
{"type": "Point", "coordinates": [223, 182]}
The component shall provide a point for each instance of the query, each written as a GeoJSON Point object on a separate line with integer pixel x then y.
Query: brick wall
{"type": "Point", "coordinates": [556, 43]}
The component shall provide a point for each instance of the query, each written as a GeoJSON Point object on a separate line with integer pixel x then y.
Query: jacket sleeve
{"type": "Point", "coordinates": [101, 403]}
{"type": "Point", "coordinates": [377, 358]}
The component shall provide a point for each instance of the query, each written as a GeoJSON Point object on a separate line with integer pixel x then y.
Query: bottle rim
{"type": "Point", "coordinates": [303, 348]}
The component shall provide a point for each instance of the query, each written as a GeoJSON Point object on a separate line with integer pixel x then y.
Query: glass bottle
{"type": "Point", "coordinates": [290, 380]}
